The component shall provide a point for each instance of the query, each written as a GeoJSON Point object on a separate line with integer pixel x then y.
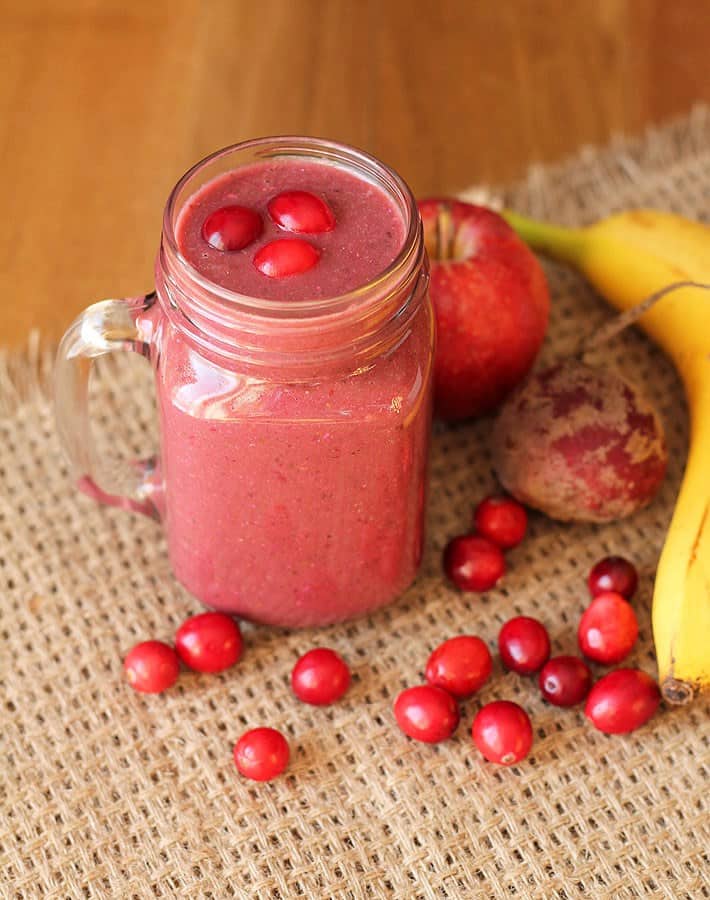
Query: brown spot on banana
{"type": "Point", "coordinates": [677, 692]}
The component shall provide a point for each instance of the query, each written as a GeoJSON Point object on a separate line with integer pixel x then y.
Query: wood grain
{"type": "Point", "coordinates": [103, 104]}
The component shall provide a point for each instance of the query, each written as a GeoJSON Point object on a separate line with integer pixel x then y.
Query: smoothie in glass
{"type": "Point", "coordinates": [297, 500]}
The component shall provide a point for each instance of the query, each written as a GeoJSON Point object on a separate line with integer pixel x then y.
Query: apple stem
{"type": "Point", "coordinates": [445, 234]}
{"type": "Point", "coordinates": [566, 244]}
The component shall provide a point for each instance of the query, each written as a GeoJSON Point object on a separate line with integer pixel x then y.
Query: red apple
{"type": "Point", "coordinates": [491, 301]}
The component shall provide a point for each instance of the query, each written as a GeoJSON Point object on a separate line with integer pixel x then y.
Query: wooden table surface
{"type": "Point", "coordinates": [104, 103]}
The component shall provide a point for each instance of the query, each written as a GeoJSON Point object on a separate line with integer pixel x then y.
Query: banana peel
{"type": "Point", "coordinates": [628, 257]}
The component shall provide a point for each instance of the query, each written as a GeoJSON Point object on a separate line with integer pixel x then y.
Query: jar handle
{"type": "Point", "coordinates": [102, 328]}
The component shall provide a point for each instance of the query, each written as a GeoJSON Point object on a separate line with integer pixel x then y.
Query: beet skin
{"type": "Point", "coordinates": [580, 444]}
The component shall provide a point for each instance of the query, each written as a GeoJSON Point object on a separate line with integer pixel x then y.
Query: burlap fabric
{"type": "Point", "coordinates": [107, 793]}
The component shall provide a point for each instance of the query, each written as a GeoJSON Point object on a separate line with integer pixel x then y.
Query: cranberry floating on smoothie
{"type": "Point", "coordinates": [301, 212]}
{"type": "Point", "coordinates": [231, 228]}
{"type": "Point", "coordinates": [294, 388]}
{"type": "Point", "coordinates": [285, 257]}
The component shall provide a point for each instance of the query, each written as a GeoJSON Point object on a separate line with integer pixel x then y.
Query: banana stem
{"type": "Point", "coordinates": [566, 244]}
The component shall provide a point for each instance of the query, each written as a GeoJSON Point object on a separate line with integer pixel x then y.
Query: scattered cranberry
{"type": "Point", "coordinates": [209, 642]}
{"type": "Point", "coordinates": [524, 645]}
{"type": "Point", "coordinates": [460, 665]}
{"type": "Point", "coordinates": [622, 701]}
{"type": "Point", "coordinates": [232, 227]}
{"type": "Point", "coordinates": [286, 256]}
{"type": "Point", "coordinates": [565, 680]}
{"type": "Point", "coordinates": [501, 520]}
{"type": "Point", "coordinates": [473, 563]}
{"type": "Point", "coordinates": [302, 212]}
{"type": "Point", "coordinates": [320, 677]}
{"type": "Point", "coordinates": [151, 667]}
{"type": "Point", "coordinates": [613, 573]}
{"type": "Point", "coordinates": [608, 629]}
{"type": "Point", "coordinates": [261, 754]}
{"type": "Point", "coordinates": [426, 713]}
{"type": "Point", "coordinates": [502, 732]}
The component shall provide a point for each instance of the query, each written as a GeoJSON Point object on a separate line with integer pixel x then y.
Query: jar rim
{"type": "Point", "coordinates": [283, 146]}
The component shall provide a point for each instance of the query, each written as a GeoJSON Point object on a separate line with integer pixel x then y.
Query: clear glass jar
{"type": "Point", "coordinates": [291, 475]}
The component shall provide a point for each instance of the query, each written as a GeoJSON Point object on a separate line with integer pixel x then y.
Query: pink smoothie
{"type": "Point", "coordinates": [368, 234]}
{"type": "Point", "coordinates": [296, 503]}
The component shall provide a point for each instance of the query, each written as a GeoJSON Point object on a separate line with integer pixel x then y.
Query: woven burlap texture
{"type": "Point", "coordinates": [108, 793]}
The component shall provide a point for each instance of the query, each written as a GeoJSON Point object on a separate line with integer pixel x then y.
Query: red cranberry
{"type": "Point", "coordinates": [473, 563]}
{"type": "Point", "coordinates": [501, 520]}
{"type": "Point", "coordinates": [261, 754]}
{"type": "Point", "coordinates": [502, 732]}
{"type": "Point", "coordinates": [209, 642]}
{"type": "Point", "coordinates": [460, 665]}
{"type": "Point", "coordinates": [320, 677]}
{"type": "Point", "coordinates": [565, 680]}
{"type": "Point", "coordinates": [302, 212]}
{"type": "Point", "coordinates": [426, 713]}
{"type": "Point", "coordinates": [524, 645]}
{"type": "Point", "coordinates": [608, 629]}
{"type": "Point", "coordinates": [151, 667]}
{"type": "Point", "coordinates": [622, 701]}
{"type": "Point", "coordinates": [613, 573]}
{"type": "Point", "coordinates": [232, 227]}
{"type": "Point", "coordinates": [286, 256]}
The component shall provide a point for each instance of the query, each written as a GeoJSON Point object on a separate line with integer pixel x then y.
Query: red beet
{"type": "Point", "coordinates": [580, 444]}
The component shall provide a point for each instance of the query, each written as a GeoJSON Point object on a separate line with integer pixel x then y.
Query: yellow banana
{"type": "Point", "coordinates": [627, 257]}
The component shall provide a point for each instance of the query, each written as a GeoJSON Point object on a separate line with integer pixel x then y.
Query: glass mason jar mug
{"type": "Point", "coordinates": [291, 474]}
